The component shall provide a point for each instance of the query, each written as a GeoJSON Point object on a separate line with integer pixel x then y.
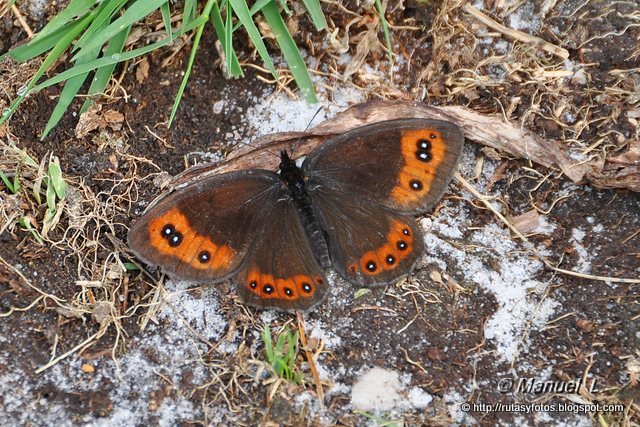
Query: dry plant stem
{"type": "Point", "coordinates": [22, 21]}
{"type": "Point", "coordinates": [154, 306]}
{"type": "Point", "coordinates": [312, 364]}
{"type": "Point", "coordinates": [13, 309]}
{"type": "Point", "coordinates": [43, 294]}
{"type": "Point", "coordinates": [83, 344]}
{"type": "Point", "coordinates": [515, 34]}
{"type": "Point", "coordinates": [531, 247]}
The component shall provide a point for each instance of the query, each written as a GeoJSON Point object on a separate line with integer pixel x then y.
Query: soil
{"type": "Point", "coordinates": [480, 308]}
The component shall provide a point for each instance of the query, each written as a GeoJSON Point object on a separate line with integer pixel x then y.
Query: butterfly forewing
{"type": "Point", "coordinates": [403, 164]}
{"type": "Point", "coordinates": [203, 232]}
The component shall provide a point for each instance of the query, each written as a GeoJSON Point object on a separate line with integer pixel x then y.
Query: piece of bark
{"type": "Point", "coordinates": [622, 171]}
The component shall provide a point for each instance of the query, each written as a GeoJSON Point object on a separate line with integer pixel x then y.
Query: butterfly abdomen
{"type": "Point", "coordinates": [313, 231]}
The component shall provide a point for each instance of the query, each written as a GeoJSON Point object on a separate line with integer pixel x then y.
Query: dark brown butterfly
{"type": "Point", "coordinates": [350, 206]}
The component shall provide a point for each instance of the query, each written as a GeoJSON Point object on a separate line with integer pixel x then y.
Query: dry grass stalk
{"type": "Point", "coordinates": [517, 35]}
{"type": "Point", "coordinates": [310, 358]}
{"type": "Point", "coordinates": [21, 21]}
{"type": "Point", "coordinates": [530, 246]}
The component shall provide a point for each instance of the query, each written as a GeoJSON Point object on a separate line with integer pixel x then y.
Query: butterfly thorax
{"type": "Point", "coordinates": [293, 177]}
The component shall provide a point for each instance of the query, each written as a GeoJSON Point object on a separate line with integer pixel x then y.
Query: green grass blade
{"type": "Point", "coordinates": [103, 17]}
{"type": "Point", "coordinates": [257, 6]}
{"type": "Point", "coordinates": [56, 179]}
{"type": "Point", "coordinates": [16, 181]}
{"type": "Point", "coordinates": [385, 30]}
{"type": "Point", "coordinates": [102, 75]}
{"type": "Point", "coordinates": [38, 45]}
{"type": "Point", "coordinates": [282, 355]}
{"type": "Point", "coordinates": [51, 196]}
{"type": "Point", "coordinates": [268, 344]}
{"type": "Point", "coordinates": [315, 11]}
{"type": "Point", "coordinates": [290, 51]}
{"type": "Point", "coordinates": [115, 58]}
{"type": "Point", "coordinates": [228, 35]}
{"type": "Point", "coordinates": [282, 340]}
{"type": "Point", "coordinates": [75, 9]}
{"type": "Point", "coordinates": [361, 292]}
{"type": "Point", "coordinates": [69, 92]}
{"type": "Point", "coordinates": [37, 183]}
{"type": "Point", "coordinates": [25, 222]}
{"type": "Point", "coordinates": [26, 158]}
{"type": "Point", "coordinates": [189, 11]}
{"type": "Point", "coordinates": [136, 12]}
{"type": "Point", "coordinates": [166, 18]}
{"type": "Point", "coordinates": [244, 15]}
{"type": "Point", "coordinates": [292, 349]}
{"type": "Point", "coordinates": [53, 56]}
{"type": "Point", "coordinates": [216, 19]}
{"type": "Point", "coordinates": [129, 266]}
{"type": "Point", "coordinates": [192, 57]}
{"type": "Point", "coordinates": [286, 9]}
{"type": "Point", "coordinates": [11, 186]}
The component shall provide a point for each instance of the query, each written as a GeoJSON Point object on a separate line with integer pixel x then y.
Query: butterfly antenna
{"type": "Point", "coordinates": [313, 118]}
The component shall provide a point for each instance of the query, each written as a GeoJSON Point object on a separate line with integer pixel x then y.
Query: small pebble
{"type": "Point", "coordinates": [217, 107]}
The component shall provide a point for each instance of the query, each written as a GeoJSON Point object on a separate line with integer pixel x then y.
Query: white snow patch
{"type": "Point", "coordinates": [201, 313]}
{"type": "Point", "coordinates": [525, 18]}
{"type": "Point", "coordinates": [546, 418]}
{"type": "Point", "coordinates": [544, 226]}
{"type": "Point", "coordinates": [338, 388]}
{"type": "Point", "coordinates": [330, 340]}
{"type": "Point", "coordinates": [377, 390]}
{"type": "Point", "coordinates": [584, 257]}
{"type": "Point", "coordinates": [511, 278]}
{"type": "Point", "coordinates": [578, 234]}
{"type": "Point", "coordinates": [279, 113]}
{"type": "Point", "coordinates": [419, 398]}
{"type": "Point", "coordinates": [37, 9]}
{"type": "Point", "coordinates": [454, 400]}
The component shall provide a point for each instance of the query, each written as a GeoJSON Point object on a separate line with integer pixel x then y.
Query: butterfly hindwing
{"type": "Point", "coordinates": [369, 245]}
{"type": "Point", "coordinates": [281, 271]}
{"type": "Point", "coordinates": [404, 164]}
{"type": "Point", "coordinates": [203, 232]}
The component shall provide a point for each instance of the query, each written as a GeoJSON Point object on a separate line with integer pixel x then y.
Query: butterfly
{"type": "Point", "coordinates": [349, 206]}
